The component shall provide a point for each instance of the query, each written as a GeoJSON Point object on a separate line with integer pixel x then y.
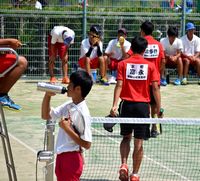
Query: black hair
{"type": "Point", "coordinates": [172, 31]}
{"type": "Point", "coordinates": [96, 29]}
{"type": "Point", "coordinates": [83, 79]}
{"type": "Point", "coordinates": [147, 27]}
{"type": "Point", "coordinates": [138, 44]}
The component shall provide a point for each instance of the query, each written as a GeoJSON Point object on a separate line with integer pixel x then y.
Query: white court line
{"type": "Point", "coordinates": [22, 143]}
{"type": "Point", "coordinates": [155, 162]}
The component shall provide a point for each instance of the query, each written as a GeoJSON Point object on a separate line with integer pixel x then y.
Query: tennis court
{"type": "Point", "coordinates": [174, 155]}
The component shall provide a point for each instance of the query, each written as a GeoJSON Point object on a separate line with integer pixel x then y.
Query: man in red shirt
{"type": "Point", "coordinates": [135, 75]}
{"type": "Point", "coordinates": [155, 54]}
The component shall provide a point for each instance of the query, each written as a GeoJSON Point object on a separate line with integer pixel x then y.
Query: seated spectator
{"type": "Point", "coordinates": [191, 52]}
{"type": "Point", "coordinates": [116, 51]}
{"type": "Point", "coordinates": [11, 77]}
{"type": "Point", "coordinates": [172, 48]}
{"type": "Point", "coordinates": [189, 5]}
{"type": "Point", "coordinates": [91, 54]}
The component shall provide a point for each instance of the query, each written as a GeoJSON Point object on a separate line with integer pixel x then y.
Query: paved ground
{"type": "Point", "coordinates": [25, 163]}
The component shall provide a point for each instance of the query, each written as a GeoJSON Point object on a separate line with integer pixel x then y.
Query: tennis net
{"type": "Point", "coordinates": [173, 156]}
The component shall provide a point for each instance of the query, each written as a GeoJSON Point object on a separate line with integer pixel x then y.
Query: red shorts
{"type": "Point", "coordinates": [113, 64]}
{"type": "Point", "coordinates": [69, 166]}
{"type": "Point", "coordinates": [94, 63]}
{"type": "Point", "coordinates": [193, 63]}
{"type": "Point", "coordinates": [61, 48]}
{"type": "Point", "coordinates": [170, 64]}
{"type": "Point", "coordinates": [7, 61]}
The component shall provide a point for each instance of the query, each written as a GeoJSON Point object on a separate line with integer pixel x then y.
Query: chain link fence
{"type": "Point", "coordinates": [32, 27]}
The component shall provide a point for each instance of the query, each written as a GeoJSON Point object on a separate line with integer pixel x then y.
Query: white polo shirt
{"type": "Point", "coordinates": [56, 34]}
{"type": "Point", "coordinates": [171, 49]}
{"type": "Point", "coordinates": [116, 50]}
{"type": "Point", "coordinates": [81, 120]}
{"type": "Point", "coordinates": [190, 47]}
{"type": "Point", "coordinates": [85, 46]}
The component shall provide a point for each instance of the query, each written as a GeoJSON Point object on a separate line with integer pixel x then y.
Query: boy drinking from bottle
{"type": "Point", "coordinates": [75, 126]}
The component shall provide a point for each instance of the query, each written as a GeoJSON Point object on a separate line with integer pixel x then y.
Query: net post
{"type": "Point", "coordinates": [50, 128]}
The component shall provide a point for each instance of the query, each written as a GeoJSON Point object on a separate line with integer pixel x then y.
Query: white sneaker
{"type": "Point", "coordinates": [112, 80]}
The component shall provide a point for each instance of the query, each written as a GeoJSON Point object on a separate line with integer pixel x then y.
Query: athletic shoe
{"type": "Point", "coordinates": [163, 82]}
{"type": "Point", "coordinates": [112, 80]}
{"type": "Point", "coordinates": [154, 133]}
{"type": "Point", "coordinates": [184, 81]}
{"type": "Point", "coordinates": [8, 103]}
{"type": "Point", "coordinates": [104, 81]}
{"type": "Point", "coordinates": [123, 172]}
{"type": "Point", "coordinates": [199, 81]}
{"type": "Point", "coordinates": [134, 178]}
{"type": "Point", "coordinates": [65, 80]}
{"type": "Point", "coordinates": [53, 80]}
{"type": "Point", "coordinates": [177, 82]}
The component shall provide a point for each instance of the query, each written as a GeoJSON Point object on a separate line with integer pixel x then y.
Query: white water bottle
{"type": "Point", "coordinates": [47, 87]}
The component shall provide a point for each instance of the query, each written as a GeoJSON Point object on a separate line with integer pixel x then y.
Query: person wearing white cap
{"type": "Point", "coordinates": [191, 52]}
{"type": "Point", "coordinates": [59, 41]}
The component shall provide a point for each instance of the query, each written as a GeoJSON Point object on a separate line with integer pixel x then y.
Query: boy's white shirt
{"type": "Point", "coordinates": [81, 120]}
{"type": "Point", "coordinates": [56, 34]}
{"type": "Point", "coordinates": [190, 48]}
{"type": "Point", "coordinates": [171, 49]}
{"type": "Point", "coordinates": [115, 50]}
{"type": "Point", "coordinates": [85, 46]}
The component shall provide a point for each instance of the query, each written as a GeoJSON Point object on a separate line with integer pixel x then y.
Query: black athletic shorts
{"type": "Point", "coordinates": [135, 110]}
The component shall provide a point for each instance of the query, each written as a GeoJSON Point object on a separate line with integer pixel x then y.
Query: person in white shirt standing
{"type": "Point", "coordinates": [75, 126]}
{"type": "Point", "coordinates": [116, 51]}
{"type": "Point", "coordinates": [91, 56]}
{"type": "Point", "coordinates": [59, 41]}
{"type": "Point", "coordinates": [172, 47]}
{"type": "Point", "coordinates": [191, 52]}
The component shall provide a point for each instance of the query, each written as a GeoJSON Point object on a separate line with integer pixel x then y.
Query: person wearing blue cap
{"type": "Point", "coordinates": [191, 52]}
{"type": "Point", "coordinates": [59, 41]}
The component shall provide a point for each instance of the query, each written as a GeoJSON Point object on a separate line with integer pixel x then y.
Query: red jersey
{"type": "Point", "coordinates": [137, 74]}
{"type": "Point", "coordinates": [154, 52]}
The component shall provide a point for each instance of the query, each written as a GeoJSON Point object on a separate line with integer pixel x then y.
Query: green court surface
{"type": "Point", "coordinates": [174, 155]}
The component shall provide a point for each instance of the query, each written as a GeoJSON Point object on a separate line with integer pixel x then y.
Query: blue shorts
{"type": "Point", "coordinates": [135, 110]}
